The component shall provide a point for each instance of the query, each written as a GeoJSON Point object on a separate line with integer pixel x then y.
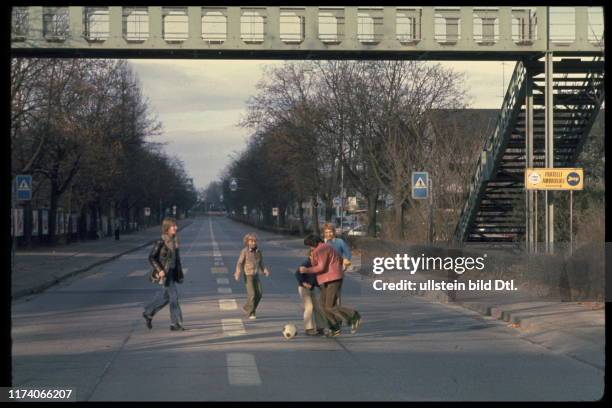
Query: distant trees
{"type": "Point", "coordinates": [370, 121]}
{"type": "Point", "coordinates": [83, 129]}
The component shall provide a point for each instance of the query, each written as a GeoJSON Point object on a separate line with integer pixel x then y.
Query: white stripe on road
{"type": "Point", "coordinates": [138, 272]}
{"type": "Point", "coordinates": [218, 269]}
{"type": "Point", "coordinates": [222, 281]}
{"type": "Point", "coordinates": [228, 304]}
{"type": "Point", "coordinates": [224, 290]}
{"type": "Point", "coordinates": [233, 327]}
{"type": "Point", "coordinates": [242, 369]}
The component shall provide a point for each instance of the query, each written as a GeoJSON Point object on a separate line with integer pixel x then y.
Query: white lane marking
{"type": "Point", "coordinates": [139, 272]}
{"type": "Point", "coordinates": [219, 263]}
{"type": "Point", "coordinates": [242, 369]}
{"type": "Point", "coordinates": [224, 290]}
{"type": "Point", "coordinates": [218, 270]}
{"type": "Point", "coordinates": [222, 281]}
{"type": "Point", "coordinates": [233, 327]}
{"type": "Point", "coordinates": [228, 304]}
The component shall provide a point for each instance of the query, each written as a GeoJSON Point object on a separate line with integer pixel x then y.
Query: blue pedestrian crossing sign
{"type": "Point", "coordinates": [23, 186]}
{"type": "Point", "coordinates": [420, 185]}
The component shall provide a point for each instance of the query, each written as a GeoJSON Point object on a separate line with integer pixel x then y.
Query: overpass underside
{"type": "Point", "coordinates": [483, 33]}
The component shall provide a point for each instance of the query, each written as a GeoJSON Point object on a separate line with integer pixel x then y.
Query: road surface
{"type": "Point", "coordinates": [88, 334]}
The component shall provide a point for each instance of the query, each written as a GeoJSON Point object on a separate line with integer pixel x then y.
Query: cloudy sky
{"type": "Point", "coordinates": [200, 103]}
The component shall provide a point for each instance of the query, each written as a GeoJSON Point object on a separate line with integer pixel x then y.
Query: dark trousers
{"type": "Point", "coordinates": [168, 294]}
{"type": "Point", "coordinates": [254, 293]}
{"type": "Point", "coordinates": [333, 311]}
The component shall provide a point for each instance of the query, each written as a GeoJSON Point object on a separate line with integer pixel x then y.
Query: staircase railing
{"type": "Point", "coordinates": [597, 92]}
{"type": "Point", "coordinates": [491, 155]}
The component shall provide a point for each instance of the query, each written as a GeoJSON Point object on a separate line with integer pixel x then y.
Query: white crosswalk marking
{"type": "Point", "coordinates": [232, 327]}
{"type": "Point", "coordinates": [242, 369]}
{"type": "Point", "coordinates": [224, 290]}
{"type": "Point", "coordinates": [218, 269]}
{"type": "Point", "coordinates": [222, 281]}
{"type": "Point", "coordinates": [228, 304]}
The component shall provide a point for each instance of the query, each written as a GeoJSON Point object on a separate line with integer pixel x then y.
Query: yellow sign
{"type": "Point", "coordinates": [554, 179]}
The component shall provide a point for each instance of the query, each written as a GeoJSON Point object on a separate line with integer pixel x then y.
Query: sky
{"type": "Point", "coordinates": [200, 102]}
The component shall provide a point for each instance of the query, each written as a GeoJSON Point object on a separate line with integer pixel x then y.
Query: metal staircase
{"type": "Point", "coordinates": [492, 210]}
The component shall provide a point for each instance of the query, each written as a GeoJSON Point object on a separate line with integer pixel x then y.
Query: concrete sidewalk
{"type": "Point", "coordinates": [35, 271]}
{"type": "Point", "coordinates": [576, 329]}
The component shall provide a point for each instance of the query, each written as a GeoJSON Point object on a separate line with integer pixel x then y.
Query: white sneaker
{"type": "Point", "coordinates": [252, 317]}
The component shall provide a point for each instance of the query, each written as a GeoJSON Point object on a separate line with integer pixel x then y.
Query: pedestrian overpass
{"type": "Point", "coordinates": [547, 112]}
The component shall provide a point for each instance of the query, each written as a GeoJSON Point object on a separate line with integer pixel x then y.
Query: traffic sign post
{"type": "Point", "coordinates": [554, 179]}
{"type": "Point", "coordinates": [420, 185]}
{"type": "Point", "coordinates": [557, 178]}
{"type": "Point", "coordinates": [275, 214]}
{"type": "Point", "coordinates": [571, 222]}
{"type": "Point", "coordinates": [23, 184]}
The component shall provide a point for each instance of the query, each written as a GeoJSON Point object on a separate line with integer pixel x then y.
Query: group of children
{"type": "Point", "coordinates": [324, 269]}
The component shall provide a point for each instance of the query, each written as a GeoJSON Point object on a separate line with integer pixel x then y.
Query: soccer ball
{"type": "Point", "coordinates": [289, 331]}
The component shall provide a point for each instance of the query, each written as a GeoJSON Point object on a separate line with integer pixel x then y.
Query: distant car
{"type": "Point", "coordinates": [358, 231]}
{"type": "Point", "coordinates": [362, 230]}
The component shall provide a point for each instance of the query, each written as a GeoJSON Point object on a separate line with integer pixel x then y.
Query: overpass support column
{"type": "Point", "coordinates": [549, 149]}
{"type": "Point", "coordinates": [531, 222]}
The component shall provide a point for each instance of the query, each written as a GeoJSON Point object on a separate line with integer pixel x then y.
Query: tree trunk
{"type": "Point", "coordinates": [398, 205]}
{"type": "Point", "coordinates": [372, 204]}
{"type": "Point", "coordinates": [283, 213]}
{"type": "Point", "coordinates": [27, 224]}
{"type": "Point", "coordinates": [315, 216]}
{"type": "Point", "coordinates": [329, 210]}
{"type": "Point", "coordinates": [301, 215]}
{"type": "Point", "coordinates": [93, 226]}
{"type": "Point", "coordinates": [82, 222]}
{"type": "Point", "coordinates": [53, 198]}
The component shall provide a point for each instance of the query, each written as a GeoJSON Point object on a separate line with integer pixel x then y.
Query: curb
{"type": "Point", "coordinates": [40, 288]}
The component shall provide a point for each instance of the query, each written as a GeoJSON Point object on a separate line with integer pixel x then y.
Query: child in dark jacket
{"type": "Point", "coordinates": [314, 320]}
